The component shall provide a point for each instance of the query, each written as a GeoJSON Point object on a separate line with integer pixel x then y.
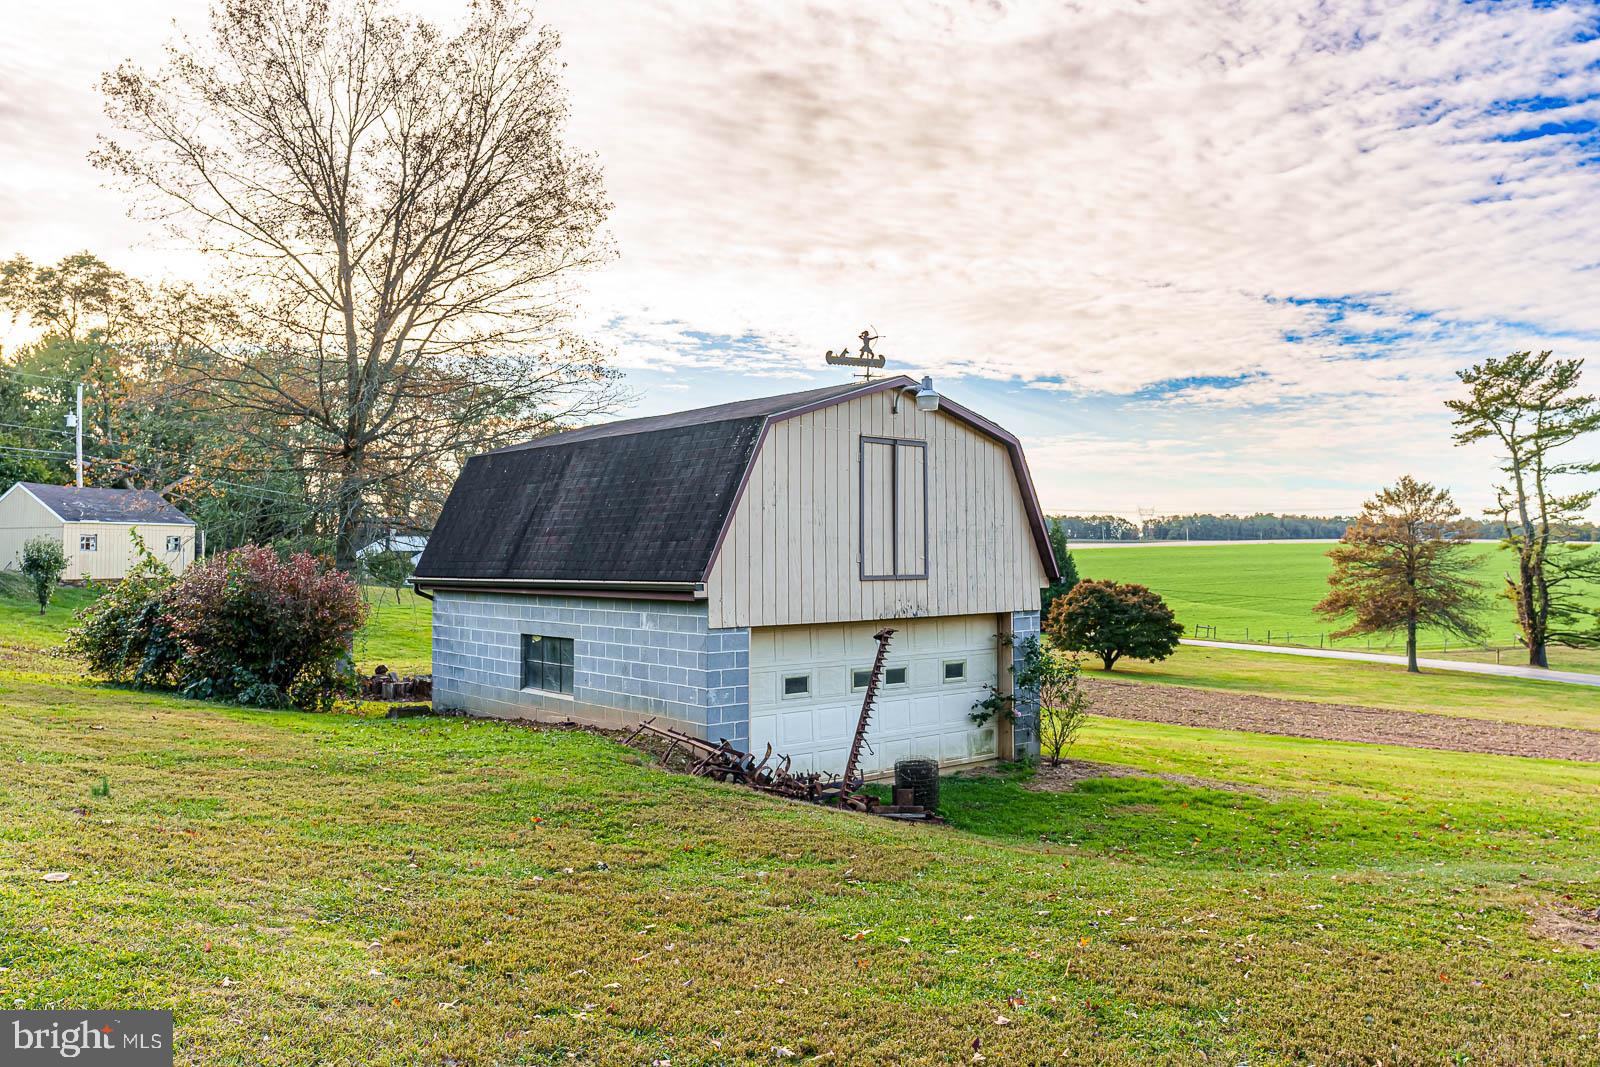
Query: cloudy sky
{"type": "Point", "coordinates": [1200, 255]}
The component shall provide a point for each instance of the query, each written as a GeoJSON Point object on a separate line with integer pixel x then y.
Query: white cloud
{"type": "Point", "coordinates": [1109, 195]}
{"type": "Point", "coordinates": [1094, 198]}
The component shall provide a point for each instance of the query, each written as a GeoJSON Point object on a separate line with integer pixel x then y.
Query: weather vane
{"type": "Point", "coordinates": [866, 358]}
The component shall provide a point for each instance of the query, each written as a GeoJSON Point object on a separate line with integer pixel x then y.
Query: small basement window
{"type": "Point", "coordinates": [175, 544]}
{"type": "Point", "coordinates": [955, 670]}
{"type": "Point", "coordinates": [547, 663]}
{"type": "Point", "coordinates": [88, 542]}
{"type": "Point", "coordinates": [796, 685]}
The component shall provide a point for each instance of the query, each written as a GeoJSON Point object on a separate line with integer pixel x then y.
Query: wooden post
{"type": "Point", "coordinates": [1005, 733]}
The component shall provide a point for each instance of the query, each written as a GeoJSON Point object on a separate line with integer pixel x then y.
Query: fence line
{"type": "Point", "coordinates": [1325, 640]}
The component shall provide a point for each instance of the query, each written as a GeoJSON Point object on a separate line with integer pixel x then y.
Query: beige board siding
{"type": "Point", "coordinates": [114, 553]}
{"type": "Point", "coordinates": [22, 518]}
{"type": "Point", "coordinates": [792, 552]}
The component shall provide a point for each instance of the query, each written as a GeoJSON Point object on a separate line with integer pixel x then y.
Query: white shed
{"type": "Point", "coordinates": [95, 527]}
{"type": "Point", "coordinates": [724, 570]}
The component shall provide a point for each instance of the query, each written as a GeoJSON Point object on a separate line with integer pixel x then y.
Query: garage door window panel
{"type": "Point", "coordinates": [892, 676]}
{"type": "Point", "coordinates": [894, 509]}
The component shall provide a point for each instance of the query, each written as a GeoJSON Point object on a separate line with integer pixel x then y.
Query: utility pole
{"type": "Point", "coordinates": [75, 420]}
{"type": "Point", "coordinates": [78, 423]}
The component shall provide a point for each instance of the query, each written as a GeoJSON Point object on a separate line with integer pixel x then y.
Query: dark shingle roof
{"type": "Point", "coordinates": [88, 504]}
{"type": "Point", "coordinates": [640, 500]}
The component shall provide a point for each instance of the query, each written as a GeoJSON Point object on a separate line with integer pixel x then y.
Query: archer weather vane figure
{"type": "Point", "coordinates": [867, 358]}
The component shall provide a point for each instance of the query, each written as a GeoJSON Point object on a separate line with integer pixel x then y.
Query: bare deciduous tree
{"type": "Point", "coordinates": [398, 207]}
{"type": "Point", "coordinates": [1532, 408]}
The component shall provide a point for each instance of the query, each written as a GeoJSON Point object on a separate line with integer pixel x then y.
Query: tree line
{"type": "Point", "coordinates": [1265, 526]}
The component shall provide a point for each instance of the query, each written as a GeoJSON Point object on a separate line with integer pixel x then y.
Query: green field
{"type": "Point", "coordinates": [1258, 593]}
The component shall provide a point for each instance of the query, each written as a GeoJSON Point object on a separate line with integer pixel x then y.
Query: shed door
{"type": "Point", "coordinates": [805, 692]}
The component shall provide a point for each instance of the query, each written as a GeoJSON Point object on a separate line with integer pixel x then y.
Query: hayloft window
{"type": "Point", "coordinates": [547, 663]}
{"type": "Point", "coordinates": [88, 542]}
{"type": "Point", "coordinates": [894, 509]}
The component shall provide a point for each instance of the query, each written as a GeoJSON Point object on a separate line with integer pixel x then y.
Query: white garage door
{"type": "Point", "coordinates": [806, 685]}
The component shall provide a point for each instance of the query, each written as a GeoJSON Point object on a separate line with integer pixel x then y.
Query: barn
{"type": "Point", "coordinates": [724, 570]}
{"type": "Point", "coordinates": [96, 527]}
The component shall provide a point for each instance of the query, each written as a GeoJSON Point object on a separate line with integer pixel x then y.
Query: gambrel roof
{"type": "Point", "coordinates": [640, 504]}
{"type": "Point", "coordinates": [71, 503]}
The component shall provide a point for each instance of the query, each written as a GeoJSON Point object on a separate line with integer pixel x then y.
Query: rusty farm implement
{"type": "Point", "coordinates": [773, 773]}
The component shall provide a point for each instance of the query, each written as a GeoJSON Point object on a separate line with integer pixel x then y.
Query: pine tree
{"type": "Point", "coordinates": [1401, 567]}
{"type": "Point", "coordinates": [1533, 409]}
{"type": "Point", "coordinates": [1064, 564]}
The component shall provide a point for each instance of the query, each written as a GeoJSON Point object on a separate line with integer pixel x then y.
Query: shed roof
{"type": "Point", "coordinates": [639, 502]}
{"type": "Point", "coordinates": [72, 503]}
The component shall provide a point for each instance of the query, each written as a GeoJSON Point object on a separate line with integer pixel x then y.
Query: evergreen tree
{"type": "Point", "coordinates": [1064, 563]}
{"type": "Point", "coordinates": [1401, 566]}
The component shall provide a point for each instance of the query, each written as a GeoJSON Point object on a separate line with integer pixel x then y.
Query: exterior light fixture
{"type": "Point", "coordinates": [926, 398]}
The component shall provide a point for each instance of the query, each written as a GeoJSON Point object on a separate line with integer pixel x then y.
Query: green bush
{"type": "Point", "coordinates": [124, 634]}
{"type": "Point", "coordinates": [44, 560]}
{"type": "Point", "coordinates": [389, 568]}
{"type": "Point", "coordinates": [1113, 620]}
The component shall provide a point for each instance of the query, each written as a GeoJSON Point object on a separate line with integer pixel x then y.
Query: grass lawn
{"type": "Point", "coordinates": [1247, 591]}
{"type": "Point", "coordinates": [331, 889]}
{"type": "Point", "coordinates": [21, 624]}
{"type": "Point", "coordinates": [397, 635]}
{"type": "Point", "coordinates": [310, 889]}
{"type": "Point", "coordinates": [1378, 685]}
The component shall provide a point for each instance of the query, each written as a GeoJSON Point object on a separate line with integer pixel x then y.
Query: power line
{"type": "Point", "coordinates": [35, 451]}
{"type": "Point", "coordinates": [41, 377]}
{"type": "Point", "coordinates": [40, 429]}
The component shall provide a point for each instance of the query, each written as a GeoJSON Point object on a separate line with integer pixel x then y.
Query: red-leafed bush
{"type": "Point", "coordinates": [259, 629]}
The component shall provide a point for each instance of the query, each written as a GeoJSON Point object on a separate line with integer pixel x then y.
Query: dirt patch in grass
{"type": "Point", "coordinates": [1072, 771]}
{"type": "Point", "coordinates": [1574, 926]}
{"type": "Point", "coordinates": [1223, 710]}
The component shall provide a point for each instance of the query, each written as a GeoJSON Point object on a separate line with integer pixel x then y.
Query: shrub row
{"type": "Point", "coordinates": [248, 626]}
